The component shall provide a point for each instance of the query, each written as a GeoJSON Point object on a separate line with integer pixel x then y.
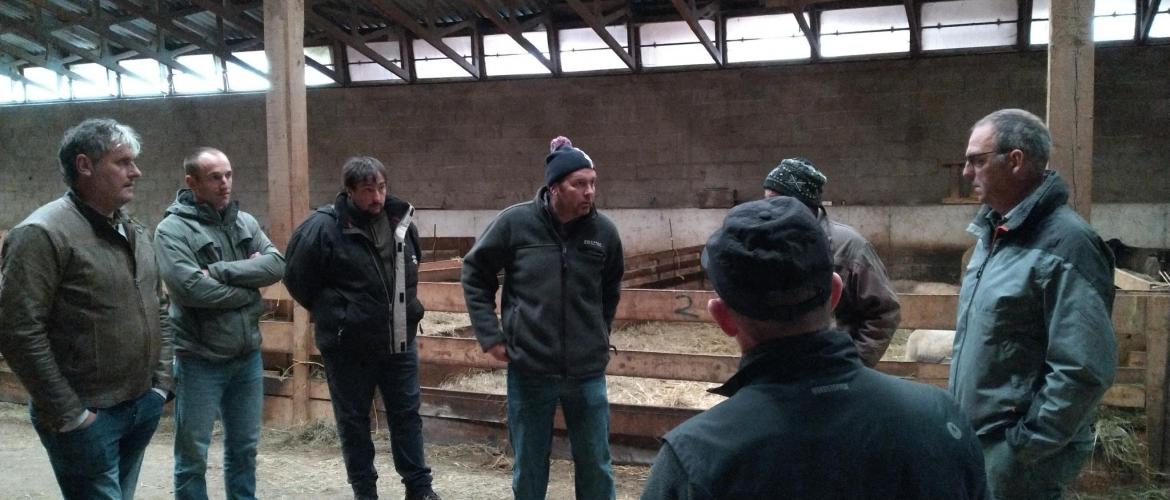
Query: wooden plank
{"type": "Point", "coordinates": [443, 270]}
{"type": "Point", "coordinates": [636, 261]}
{"type": "Point", "coordinates": [1127, 280]}
{"type": "Point", "coordinates": [1070, 98]}
{"type": "Point", "coordinates": [1158, 390]}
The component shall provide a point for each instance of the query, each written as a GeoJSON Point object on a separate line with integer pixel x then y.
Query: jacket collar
{"type": "Point", "coordinates": [186, 206]}
{"type": "Point", "coordinates": [807, 356]}
{"type": "Point", "coordinates": [98, 221]}
{"type": "Point", "coordinates": [1048, 196]}
{"type": "Point", "coordinates": [394, 208]}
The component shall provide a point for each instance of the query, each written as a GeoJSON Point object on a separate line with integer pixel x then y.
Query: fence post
{"type": "Point", "coordinates": [1157, 396]}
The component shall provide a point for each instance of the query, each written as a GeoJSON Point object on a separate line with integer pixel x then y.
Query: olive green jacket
{"type": "Point", "coordinates": [82, 323]}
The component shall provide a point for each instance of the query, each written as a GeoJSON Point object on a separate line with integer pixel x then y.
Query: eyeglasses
{"type": "Point", "coordinates": [975, 160]}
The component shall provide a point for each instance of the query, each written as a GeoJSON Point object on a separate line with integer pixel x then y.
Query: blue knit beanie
{"type": "Point", "coordinates": [563, 159]}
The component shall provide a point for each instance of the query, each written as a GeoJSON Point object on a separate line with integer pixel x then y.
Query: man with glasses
{"type": "Point", "coordinates": [1034, 345]}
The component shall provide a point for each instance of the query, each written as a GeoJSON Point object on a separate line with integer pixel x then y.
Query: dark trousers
{"type": "Point", "coordinates": [1046, 479]}
{"type": "Point", "coordinates": [352, 377]}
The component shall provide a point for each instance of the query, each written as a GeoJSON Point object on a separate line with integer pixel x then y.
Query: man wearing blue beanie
{"type": "Point", "coordinates": [563, 264]}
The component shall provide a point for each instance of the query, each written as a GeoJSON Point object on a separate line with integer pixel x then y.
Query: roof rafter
{"type": "Point", "coordinates": [809, 34]}
{"type": "Point", "coordinates": [1148, 20]}
{"type": "Point", "coordinates": [408, 21]}
{"type": "Point", "coordinates": [513, 29]}
{"type": "Point", "coordinates": [1024, 28]}
{"type": "Point", "coordinates": [914, 16]}
{"type": "Point", "coordinates": [162, 22]}
{"type": "Point", "coordinates": [50, 39]}
{"type": "Point", "coordinates": [598, 25]}
{"type": "Point", "coordinates": [689, 13]}
{"type": "Point", "coordinates": [46, 61]}
{"type": "Point", "coordinates": [228, 13]}
{"type": "Point", "coordinates": [66, 18]}
{"type": "Point", "coordinates": [356, 43]}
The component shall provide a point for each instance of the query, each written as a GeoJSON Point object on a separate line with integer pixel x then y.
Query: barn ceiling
{"type": "Point", "coordinates": [54, 34]}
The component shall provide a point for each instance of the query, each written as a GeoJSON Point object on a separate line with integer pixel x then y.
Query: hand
{"type": "Point", "coordinates": [205, 272]}
{"type": "Point", "coordinates": [499, 352]}
{"type": "Point", "coordinates": [254, 255]}
{"type": "Point", "coordinates": [89, 420]}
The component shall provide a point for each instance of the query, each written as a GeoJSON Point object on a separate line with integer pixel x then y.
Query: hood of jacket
{"type": "Point", "coordinates": [186, 206]}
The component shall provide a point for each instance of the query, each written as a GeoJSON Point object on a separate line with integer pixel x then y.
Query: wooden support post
{"type": "Point", "coordinates": [1157, 392]}
{"type": "Point", "coordinates": [288, 158]}
{"type": "Point", "coordinates": [1070, 98]}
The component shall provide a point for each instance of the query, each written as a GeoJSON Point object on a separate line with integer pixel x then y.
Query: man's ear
{"type": "Point", "coordinates": [722, 316]}
{"type": "Point", "coordinates": [83, 165]}
{"type": "Point", "coordinates": [1015, 159]}
{"type": "Point", "coordinates": [835, 291]}
{"type": "Point", "coordinates": [190, 181]}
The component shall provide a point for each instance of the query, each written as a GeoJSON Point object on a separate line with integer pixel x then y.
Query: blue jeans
{"type": "Point", "coordinates": [352, 378]}
{"type": "Point", "coordinates": [101, 462]}
{"type": "Point", "coordinates": [233, 390]}
{"type": "Point", "coordinates": [532, 402]}
{"type": "Point", "coordinates": [1045, 479]}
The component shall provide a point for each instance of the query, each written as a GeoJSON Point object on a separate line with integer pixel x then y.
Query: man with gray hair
{"type": "Point", "coordinates": [81, 320]}
{"type": "Point", "coordinates": [1034, 343]}
{"type": "Point", "coordinates": [214, 258]}
{"type": "Point", "coordinates": [354, 264]}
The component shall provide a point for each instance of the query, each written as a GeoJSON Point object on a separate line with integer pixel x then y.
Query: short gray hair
{"type": "Point", "coordinates": [191, 162]}
{"type": "Point", "coordinates": [1019, 129]}
{"type": "Point", "coordinates": [359, 169]}
{"type": "Point", "coordinates": [93, 138]}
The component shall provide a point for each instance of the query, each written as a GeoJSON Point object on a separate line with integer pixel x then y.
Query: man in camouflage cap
{"type": "Point", "coordinates": [869, 309]}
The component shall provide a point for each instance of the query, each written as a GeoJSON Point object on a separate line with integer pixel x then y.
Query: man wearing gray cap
{"type": "Point", "coordinates": [869, 311]}
{"type": "Point", "coordinates": [805, 418]}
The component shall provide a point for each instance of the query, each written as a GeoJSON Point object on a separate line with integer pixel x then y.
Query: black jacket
{"type": "Point", "coordinates": [560, 292]}
{"type": "Point", "coordinates": [805, 420]}
{"type": "Point", "coordinates": [334, 270]}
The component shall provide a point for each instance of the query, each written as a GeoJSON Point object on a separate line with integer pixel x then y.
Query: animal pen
{"type": "Point", "coordinates": [292, 396]}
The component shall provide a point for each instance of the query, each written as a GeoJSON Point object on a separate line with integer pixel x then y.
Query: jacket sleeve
{"type": "Point", "coordinates": [304, 263]}
{"type": "Point", "coordinates": [185, 280]}
{"type": "Point", "coordinates": [611, 291]}
{"type": "Point", "coordinates": [1080, 361]}
{"type": "Point", "coordinates": [877, 311]}
{"type": "Point", "coordinates": [668, 479]}
{"type": "Point", "coordinates": [164, 377]}
{"type": "Point", "coordinates": [31, 273]}
{"type": "Point", "coordinates": [480, 284]}
{"type": "Point", "coordinates": [261, 271]}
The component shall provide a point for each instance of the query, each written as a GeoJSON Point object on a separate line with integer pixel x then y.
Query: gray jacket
{"type": "Point", "coordinates": [1034, 344]}
{"type": "Point", "coordinates": [81, 320]}
{"type": "Point", "coordinates": [216, 317]}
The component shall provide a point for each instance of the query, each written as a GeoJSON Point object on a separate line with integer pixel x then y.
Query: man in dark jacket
{"type": "Point", "coordinates": [869, 310]}
{"type": "Point", "coordinates": [81, 320]}
{"type": "Point", "coordinates": [563, 265]}
{"type": "Point", "coordinates": [805, 418]}
{"type": "Point", "coordinates": [214, 258]}
{"type": "Point", "coordinates": [354, 265]}
{"type": "Point", "coordinates": [1034, 344]}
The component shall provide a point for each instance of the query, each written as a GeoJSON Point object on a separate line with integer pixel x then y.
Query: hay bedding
{"type": "Point", "coordinates": [622, 390]}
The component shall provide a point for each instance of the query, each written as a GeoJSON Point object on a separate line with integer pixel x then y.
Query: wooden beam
{"type": "Point", "coordinates": [914, 16]}
{"type": "Point", "coordinates": [1070, 99]}
{"type": "Point", "coordinates": [513, 30]}
{"type": "Point", "coordinates": [339, 34]}
{"type": "Point", "coordinates": [288, 157]}
{"type": "Point", "coordinates": [1158, 382]}
{"type": "Point", "coordinates": [687, 11]}
{"type": "Point", "coordinates": [166, 22]}
{"type": "Point", "coordinates": [48, 39]}
{"type": "Point", "coordinates": [43, 61]}
{"type": "Point", "coordinates": [599, 28]}
{"type": "Point", "coordinates": [1024, 25]}
{"type": "Point", "coordinates": [809, 33]}
{"type": "Point", "coordinates": [1147, 20]}
{"type": "Point", "coordinates": [408, 21]}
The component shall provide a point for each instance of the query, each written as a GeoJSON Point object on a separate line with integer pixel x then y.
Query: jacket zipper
{"type": "Point", "coordinates": [381, 278]}
{"type": "Point", "coordinates": [564, 314]}
{"type": "Point", "coordinates": [975, 288]}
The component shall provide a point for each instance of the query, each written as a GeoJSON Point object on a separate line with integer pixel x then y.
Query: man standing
{"type": "Point", "coordinates": [1034, 344]}
{"type": "Point", "coordinates": [214, 258]}
{"type": "Point", "coordinates": [563, 265]}
{"type": "Point", "coordinates": [81, 321]}
{"type": "Point", "coordinates": [805, 418]}
{"type": "Point", "coordinates": [354, 264]}
{"type": "Point", "coordinates": [869, 311]}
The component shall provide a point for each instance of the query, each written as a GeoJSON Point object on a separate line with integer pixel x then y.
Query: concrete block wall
{"type": "Point", "coordinates": [879, 130]}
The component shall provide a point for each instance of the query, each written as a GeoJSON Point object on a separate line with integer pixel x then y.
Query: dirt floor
{"type": "Point", "coordinates": [289, 467]}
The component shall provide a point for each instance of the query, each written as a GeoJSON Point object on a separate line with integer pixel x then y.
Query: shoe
{"type": "Point", "coordinates": [357, 496]}
{"type": "Point", "coordinates": [427, 494]}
